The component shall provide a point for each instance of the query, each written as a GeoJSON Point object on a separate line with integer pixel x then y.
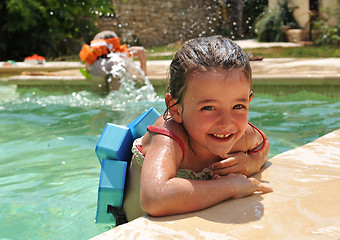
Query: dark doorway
{"type": "Point", "coordinates": [314, 5]}
{"type": "Point", "coordinates": [314, 13]}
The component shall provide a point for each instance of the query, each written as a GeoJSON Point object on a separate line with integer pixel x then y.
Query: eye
{"type": "Point", "coordinates": [207, 108]}
{"type": "Point", "coordinates": [239, 106]}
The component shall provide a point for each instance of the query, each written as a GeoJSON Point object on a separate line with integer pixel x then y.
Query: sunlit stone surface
{"type": "Point", "coordinates": [304, 204]}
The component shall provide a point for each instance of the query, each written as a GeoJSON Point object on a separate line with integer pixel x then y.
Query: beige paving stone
{"type": "Point", "coordinates": [304, 204]}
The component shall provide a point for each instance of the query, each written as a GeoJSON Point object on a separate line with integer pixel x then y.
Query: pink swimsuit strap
{"type": "Point", "coordinates": [263, 137]}
{"type": "Point", "coordinates": [166, 132]}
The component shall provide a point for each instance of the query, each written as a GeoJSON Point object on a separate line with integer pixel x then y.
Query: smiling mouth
{"type": "Point", "coordinates": [221, 136]}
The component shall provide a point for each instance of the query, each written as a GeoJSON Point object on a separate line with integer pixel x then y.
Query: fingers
{"type": "Point", "coordinates": [264, 189]}
{"type": "Point", "coordinates": [215, 176]}
{"type": "Point", "coordinates": [259, 187]}
{"type": "Point", "coordinates": [224, 163]}
{"type": "Point", "coordinates": [244, 186]}
{"type": "Point", "coordinates": [233, 169]}
{"type": "Point", "coordinates": [227, 166]}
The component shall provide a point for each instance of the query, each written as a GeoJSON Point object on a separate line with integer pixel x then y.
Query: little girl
{"type": "Point", "coordinates": [202, 150]}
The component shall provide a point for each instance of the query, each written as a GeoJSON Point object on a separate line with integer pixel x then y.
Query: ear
{"type": "Point", "coordinates": [175, 109]}
{"type": "Point", "coordinates": [251, 96]}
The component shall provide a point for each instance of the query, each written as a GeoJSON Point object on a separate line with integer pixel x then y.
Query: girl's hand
{"type": "Point", "coordinates": [241, 162]}
{"type": "Point", "coordinates": [243, 186]}
{"type": "Point", "coordinates": [233, 163]}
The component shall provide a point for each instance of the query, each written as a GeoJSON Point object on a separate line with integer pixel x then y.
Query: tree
{"type": "Point", "coordinates": [269, 25]}
{"type": "Point", "coordinates": [47, 27]}
{"type": "Point", "coordinates": [238, 16]}
{"type": "Point", "coordinates": [326, 33]}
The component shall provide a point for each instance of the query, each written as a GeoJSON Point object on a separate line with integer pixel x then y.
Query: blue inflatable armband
{"type": "Point", "coordinates": [138, 127]}
{"type": "Point", "coordinates": [115, 143]}
{"type": "Point", "coordinates": [111, 188]}
{"type": "Point", "coordinates": [114, 154]}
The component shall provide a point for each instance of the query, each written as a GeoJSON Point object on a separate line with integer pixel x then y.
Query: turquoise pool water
{"type": "Point", "coordinates": [49, 171]}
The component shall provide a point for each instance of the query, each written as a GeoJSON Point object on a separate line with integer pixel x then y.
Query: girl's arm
{"type": "Point", "coordinates": [243, 157]}
{"type": "Point", "coordinates": [162, 193]}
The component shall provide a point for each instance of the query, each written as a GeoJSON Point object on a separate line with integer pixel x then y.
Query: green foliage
{"type": "Point", "coordinates": [47, 27]}
{"type": "Point", "coordinates": [326, 34]}
{"type": "Point", "coordinates": [228, 15]}
{"type": "Point", "coordinates": [251, 10]}
{"type": "Point", "coordinates": [269, 25]}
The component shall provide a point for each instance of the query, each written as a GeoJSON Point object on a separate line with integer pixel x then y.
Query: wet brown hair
{"type": "Point", "coordinates": [203, 54]}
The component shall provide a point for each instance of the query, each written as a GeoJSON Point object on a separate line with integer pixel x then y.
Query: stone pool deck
{"type": "Point", "coordinates": [287, 71]}
{"type": "Point", "coordinates": [304, 204]}
{"type": "Point", "coordinates": [269, 71]}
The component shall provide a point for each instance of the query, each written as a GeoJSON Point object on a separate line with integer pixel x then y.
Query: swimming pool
{"type": "Point", "coordinates": [49, 171]}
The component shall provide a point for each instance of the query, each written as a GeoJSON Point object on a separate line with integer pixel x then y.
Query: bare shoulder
{"type": "Point", "coordinates": [169, 125]}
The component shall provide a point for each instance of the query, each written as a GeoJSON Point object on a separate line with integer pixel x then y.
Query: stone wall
{"type": "Point", "coordinates": [155, 23]}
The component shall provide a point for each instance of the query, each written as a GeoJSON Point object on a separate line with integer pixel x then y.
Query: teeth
{"type": "Point", "coordinates": [222, 135]}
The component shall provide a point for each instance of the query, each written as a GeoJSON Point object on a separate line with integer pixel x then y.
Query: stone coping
{"type": "Point", "coordinates": [287, 71]}
{"type": "Point", "coordinates": [25, 80]}
{"type": "Point", "coordinates": [317, 70]}
{"type": "Point", "coordinates": [304, 204]}
{"type": "Point", "coordinates": [19, 67]}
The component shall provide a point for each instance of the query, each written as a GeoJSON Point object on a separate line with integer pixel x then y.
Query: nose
{"type": "Point", "coordinates": [225, 121]}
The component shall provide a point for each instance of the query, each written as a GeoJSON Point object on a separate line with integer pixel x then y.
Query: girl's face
{"type": "Point", "coordinates": [214, 110]}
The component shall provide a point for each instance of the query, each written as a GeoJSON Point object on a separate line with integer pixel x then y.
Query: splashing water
{"type": "Point", "coordinates": [133, 82]}
{"type": "Point", "coordinates": [135, 88]}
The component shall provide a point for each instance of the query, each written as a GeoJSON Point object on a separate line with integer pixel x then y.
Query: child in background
{"type": "Point", "coordinates": [202, 150]}
{"type": "Point", "coordinates": [99, 75]}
